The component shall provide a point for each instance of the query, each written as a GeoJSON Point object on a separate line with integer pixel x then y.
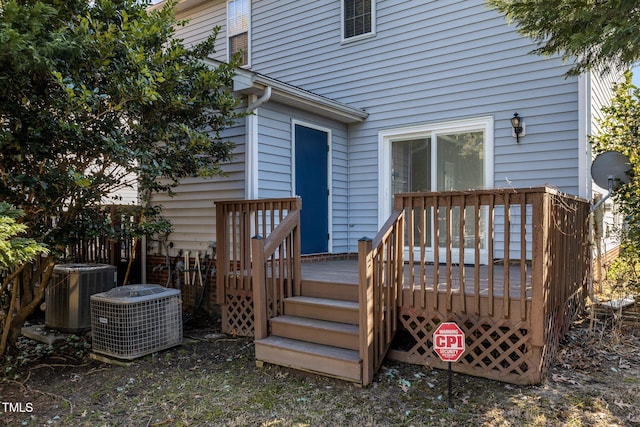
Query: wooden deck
{"type": "Point", "coordinates": [513, 311]}
{"type": "Point", "coordinates": [346, 271]}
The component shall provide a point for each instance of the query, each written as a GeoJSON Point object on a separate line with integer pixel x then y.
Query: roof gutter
{"type": "Point", "coordinates": [300, 98]}
{"type": "Point", "coordinates": [247, 83]}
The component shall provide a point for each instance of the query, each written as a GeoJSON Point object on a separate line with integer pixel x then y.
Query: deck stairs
{"type": "Point", "coordinates": [318, 332]}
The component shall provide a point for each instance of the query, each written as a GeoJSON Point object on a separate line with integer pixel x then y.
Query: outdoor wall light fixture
{"type": "Point", "coordinates": [518, 126]}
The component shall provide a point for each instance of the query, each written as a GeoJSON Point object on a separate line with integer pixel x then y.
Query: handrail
{"type": "Point", "coordinates": [276, 261]}
{"type": "Point", "coordinates": [381, 278]}
{"type": "Point", "coordinates": [281, 232]}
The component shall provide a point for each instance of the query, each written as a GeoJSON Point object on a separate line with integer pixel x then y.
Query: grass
{"type": "Point", "coordinates": [217, 383]}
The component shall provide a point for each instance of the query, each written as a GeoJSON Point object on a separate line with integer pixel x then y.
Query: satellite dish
{"type": "Point", "coordinates": [609, 170]}
{"type": "Point", "coordinates": [610, 167]}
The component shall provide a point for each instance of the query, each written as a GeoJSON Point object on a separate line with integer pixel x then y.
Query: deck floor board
{"type": "Point", "coordinates": [346, 272]}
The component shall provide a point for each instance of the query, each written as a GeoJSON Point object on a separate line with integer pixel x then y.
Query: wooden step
{"type": "Point", "coordinates": [322, 309]}
{"type": "Point", "coordinates": [311, 357]}
{"type": "Point", "coordinates": [329, 290]}
{"type": "Point", "coordinates": [336, 334]}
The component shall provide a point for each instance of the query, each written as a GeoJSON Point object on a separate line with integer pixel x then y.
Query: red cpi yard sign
{"type": "Point", "coordinates": [448, 342]}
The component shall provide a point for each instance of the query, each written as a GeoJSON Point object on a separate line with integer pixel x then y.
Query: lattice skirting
{"type": "Point", "coordinates": [237, 313]}
{"type": "Point", "coordinates": [498, 349]}
{"type": "Point", "coordinates": [557, 324]}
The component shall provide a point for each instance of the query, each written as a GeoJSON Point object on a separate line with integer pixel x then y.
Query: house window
{"type": "Point", "coordinates": [438, 157]}
{"type": "Point", "coordinates": [238, 20]}
{"type": "Point", "coordinates": [454, 162]}
{"type": "Point", "coordinates": [358, 18]}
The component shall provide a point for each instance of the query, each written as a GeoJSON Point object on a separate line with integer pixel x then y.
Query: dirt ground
{"type": "Point", "coordinates": [212, 380]}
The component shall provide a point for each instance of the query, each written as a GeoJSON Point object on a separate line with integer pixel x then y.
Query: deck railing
{"type": "Point", "coordinates": [380, 270]}
{"type": "Point", "coordinates": [236, 222]}
{"type": "Point", "coordinates": [465, 235]}
{"type": "Point", "coordinates": [508, 265]}
{"type": "Point", "coordinates": [562, 270]}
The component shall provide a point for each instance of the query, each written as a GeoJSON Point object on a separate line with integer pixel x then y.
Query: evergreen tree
{"type": "Point", "coordinates": [596, 35]}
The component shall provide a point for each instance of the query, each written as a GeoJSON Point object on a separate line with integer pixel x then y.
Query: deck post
{"type": "Point", "coordinates": [400, 270]}
{"type": "Point", "coordinates": [222, 255]}
{"type": "Point", "coordinates": [297, 258]}
{"type": "Point", "coordinates": [259, 288]}
{"type": "Point", "coordinates": [540, 270]}
{"type": "Point", "coordinates": [365, 298]}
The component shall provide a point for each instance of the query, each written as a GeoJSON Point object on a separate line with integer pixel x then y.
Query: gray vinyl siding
{"type": "Point", "coordinates": [601, 90]}
{"type": "Point", "coordinates": [275, 162]}
{"type": "Point", "coordinates": [601, 94]}
{"type": "Point", "coordinates": [274, 152]}
{"type": "Point", "coordinates": [192, 209]}
{"type": "Point", "coordinates": [201, 21]}
{"type": "Point", "coordinates": [429, 62]}
{"type": "Point", "coordinates": [461, 61]}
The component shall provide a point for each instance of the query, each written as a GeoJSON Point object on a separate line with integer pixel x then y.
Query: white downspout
{"type": "Point", "coordinates": [266, 95]}
{"type": "Point", "coordinates": [584, 130]}
{"type": "Point", "coordinates": [251, 144]}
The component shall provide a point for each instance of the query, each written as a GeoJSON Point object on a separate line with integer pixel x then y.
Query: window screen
{"type": "Point", "coordinates": [357, 18]}
{"type": "Point", "coordinates": [238, 28]}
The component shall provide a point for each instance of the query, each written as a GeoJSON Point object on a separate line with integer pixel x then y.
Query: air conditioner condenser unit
{"type": "Point", "coordinates": [67, 294]}
{"type": "Point", "coordinates": [135, 320]}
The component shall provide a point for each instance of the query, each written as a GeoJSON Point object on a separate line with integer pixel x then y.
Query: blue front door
{"type": "Point", "coordinates": [311, 148]}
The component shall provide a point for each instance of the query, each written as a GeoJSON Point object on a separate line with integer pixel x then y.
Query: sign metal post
{"type": "Point", "coordinates": [449, 344]}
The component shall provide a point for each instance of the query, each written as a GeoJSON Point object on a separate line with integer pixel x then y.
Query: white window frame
{"type": "Point", "coordinates": [385, 138]}
{"type": "Point", "coordinates": [370, 34]}
{"type": "Point", "coordinates": [230, 35]}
